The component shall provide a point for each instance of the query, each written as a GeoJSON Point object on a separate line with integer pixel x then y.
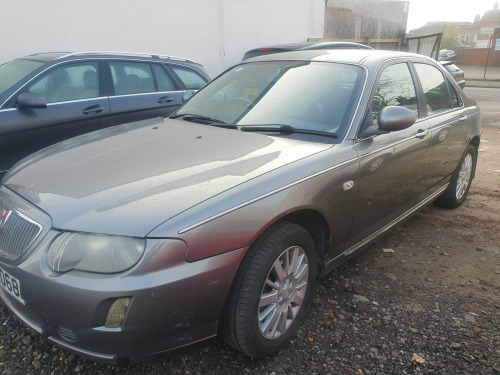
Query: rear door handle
{"type": "Point", "coordinates": [93, 109]}
{"type": "Point", "coordinates": [421, 133]}
{"type": "Point", "coordinates": [165, 100]}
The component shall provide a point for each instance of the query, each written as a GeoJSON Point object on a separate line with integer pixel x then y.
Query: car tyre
{"type": "Point", "coordinates": [461, 180]}
{"type": "Point", "coordinates": [271, 291]}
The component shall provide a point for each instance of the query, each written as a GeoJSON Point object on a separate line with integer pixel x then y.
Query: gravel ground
{"type": "Point", "coordinates": [425, 299]}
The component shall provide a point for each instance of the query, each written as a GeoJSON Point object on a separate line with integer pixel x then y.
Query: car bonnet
{"type": "Point", "coordinates": [130, 178]}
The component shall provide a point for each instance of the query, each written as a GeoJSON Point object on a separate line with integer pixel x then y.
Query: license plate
{"type": "Point", "coordinates": [11, 285]}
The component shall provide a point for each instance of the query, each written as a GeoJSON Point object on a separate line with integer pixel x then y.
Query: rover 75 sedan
{"type": "Point", "coordinates": [128, 243]}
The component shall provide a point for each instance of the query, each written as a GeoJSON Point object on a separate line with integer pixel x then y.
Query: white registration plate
{"type": "Point", "coordinates": [11, 285]}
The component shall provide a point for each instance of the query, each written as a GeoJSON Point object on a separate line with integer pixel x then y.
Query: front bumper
{"type": "Point", "coordinates": [173, 303]}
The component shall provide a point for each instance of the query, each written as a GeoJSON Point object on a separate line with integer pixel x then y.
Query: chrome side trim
{"type": "Point", "coordinates": [65, 102]}
{"type": "Point", "coordinates": [235, 208]}
{"type": "Point", "coordinates": [391, 224]}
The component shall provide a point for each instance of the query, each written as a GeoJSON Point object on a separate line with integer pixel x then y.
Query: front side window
{"type": "Point", "coordinates": [304, 95]}
{"type": "Point", "coordinates": [13, 71]}
{"type": "Point", "coordinates": [394, 88]}
{"type": "Point", "coordinates": [68, 82]}
{"type": "Point", "coordinates": [132, 78]}
{"type": "Point", "coordinates": [190, 79]}
{"type": "Point", "coordinates": [435, 87]}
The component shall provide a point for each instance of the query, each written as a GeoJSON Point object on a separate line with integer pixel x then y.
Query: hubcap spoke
{"type": "Point", "coordinates": [267, 299]}
{"type": "Point", "coordinates": [464, 176]}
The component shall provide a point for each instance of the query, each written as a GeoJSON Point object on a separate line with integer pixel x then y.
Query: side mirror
{"type": "Point", "coordinates": [29, 100]}
{"type": "Point", "coordinates": [394, 118]}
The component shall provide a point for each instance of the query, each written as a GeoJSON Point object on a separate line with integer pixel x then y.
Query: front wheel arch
{"type": "Point", "coordinates": [240, 325]}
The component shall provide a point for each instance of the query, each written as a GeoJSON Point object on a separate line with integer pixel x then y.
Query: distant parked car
{"type": "Point", "coordinates": [48, 97]}
{"type": "Point", "coordinates": [447, 55]}
{"type": "Point", "coordinates": [455, 71]}
{"type": "Point", "coordinates": [299, 46]}
{"type": "Point", "coordinates": [124, 244]}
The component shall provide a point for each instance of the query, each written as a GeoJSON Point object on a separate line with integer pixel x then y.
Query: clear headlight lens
{"type": "Point", "coordinates": [94, 252]}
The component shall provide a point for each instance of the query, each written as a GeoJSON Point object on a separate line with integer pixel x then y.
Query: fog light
{"type": "Point", "coordinates": [117, 313]}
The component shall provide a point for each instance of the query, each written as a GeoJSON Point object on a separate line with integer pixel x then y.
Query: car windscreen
{"type": "Point", "coordinates": [13, 71]}
{"type": "Point", "coordinates": [308, 95]}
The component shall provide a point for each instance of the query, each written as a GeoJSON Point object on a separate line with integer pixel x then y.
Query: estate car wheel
{"type": "Point", "coordinates": [271, 291]}
{"type": "Point", "coordinates": [461, 180]}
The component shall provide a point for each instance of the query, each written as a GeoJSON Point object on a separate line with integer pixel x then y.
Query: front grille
{"type": "Point", "coordinates": [17, 233]}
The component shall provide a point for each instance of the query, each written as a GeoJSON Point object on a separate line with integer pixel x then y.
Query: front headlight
{"type": "Point", "coordinates": [94, 252]}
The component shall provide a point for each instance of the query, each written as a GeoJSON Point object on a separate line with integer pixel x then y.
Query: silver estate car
{"type": "Point", "coordinates": [124, 244]}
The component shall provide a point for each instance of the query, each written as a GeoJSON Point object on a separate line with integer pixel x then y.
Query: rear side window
{"type": "Point", "coordinates": [68, 82]}
{"type": "Point", "coordinates": [436, 89]}
{"type": "Point", "coordinates": [132, 78]}
{"type": "Point", "coordinates": [394, 88]}
{"type": "Point", "coordinates": [190, 79]}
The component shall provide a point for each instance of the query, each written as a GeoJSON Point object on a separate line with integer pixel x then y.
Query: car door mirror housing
{"type": "Point", "coordinates": [30, 100]}
{"type": "Point", "coordinates": [393, 118]}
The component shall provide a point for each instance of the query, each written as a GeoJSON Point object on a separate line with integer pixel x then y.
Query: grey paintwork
{"type": "Point", "coordinates": [201, 196]}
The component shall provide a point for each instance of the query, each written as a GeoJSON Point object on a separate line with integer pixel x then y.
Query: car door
{"type": "Point", "coordinates": [75, 105]}
{"type": "Point", "coordinates": [392, 165]}
{"type": "Point", "coordinates": [140, 91]}
{"type": "Point", "coordinates": [448, 121]}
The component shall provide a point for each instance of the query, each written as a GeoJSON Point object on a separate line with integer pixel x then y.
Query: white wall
{"type": "Point", "coordinates": [215, 33]}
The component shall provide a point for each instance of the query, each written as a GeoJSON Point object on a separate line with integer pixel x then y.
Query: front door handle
{"type": "Point", "coordinates": [463, 118]}
{"type": "Point", "coordinates": [421, 133]}
{"type": "Point", "coordinates": [93, 109]}
{"type": "Point", "coordinates": [165, 100]}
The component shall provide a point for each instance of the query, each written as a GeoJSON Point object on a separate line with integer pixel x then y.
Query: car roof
{"type": "Point", "coordinates": [352, 56]}
{"type": "Point", "coordinates": [310, 45]}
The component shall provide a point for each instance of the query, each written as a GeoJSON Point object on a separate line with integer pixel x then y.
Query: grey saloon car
{"type": "Point", "coordinates": [128, 243]}
{"type": "Point", "coordinates": [48, 97]}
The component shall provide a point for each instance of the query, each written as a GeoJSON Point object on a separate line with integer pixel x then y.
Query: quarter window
{"type": "Point", "coordinates": [394, 88]}
{"type": "Point", "coordinates": [163, 80]}
{"type": "Point", "coordinates": [69, 82]}
{"type": "Point", "coordinates": [190, 79]}
{"type": "Point", "coordinates": [435, 89]}
{"type": "Point", "coordinates": [132, 78]}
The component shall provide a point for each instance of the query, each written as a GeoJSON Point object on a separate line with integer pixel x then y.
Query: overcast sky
{"type": "Point", "coordinates": [423, 11]}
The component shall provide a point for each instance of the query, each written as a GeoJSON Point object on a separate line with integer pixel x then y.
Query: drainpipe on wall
{"type": "Point", "coordinates": [487, 58]}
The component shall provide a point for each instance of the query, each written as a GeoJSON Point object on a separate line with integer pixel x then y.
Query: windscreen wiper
{"type": "Point", "coordinates": [285, 129]}
{"type": "Point", "coordinates": [204, 120]}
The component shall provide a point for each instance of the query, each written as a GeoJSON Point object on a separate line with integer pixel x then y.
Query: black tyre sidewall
{"type": "Point", "coordinates": [449, 199]}
{"type": "Point", "coordinates": [250, 340]}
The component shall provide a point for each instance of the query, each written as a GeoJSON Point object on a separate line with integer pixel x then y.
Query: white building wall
{"type": "Point", "coordinates": [215, 33]}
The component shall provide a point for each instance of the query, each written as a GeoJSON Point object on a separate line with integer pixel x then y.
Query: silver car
{"type": "Point", "coordinates": [127, 243]}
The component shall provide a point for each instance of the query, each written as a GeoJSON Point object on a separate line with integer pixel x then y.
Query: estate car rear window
{"type": "Point", "coordinates": [190, 79]}
{"type": "Point", "coordinates": [305, 95]}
